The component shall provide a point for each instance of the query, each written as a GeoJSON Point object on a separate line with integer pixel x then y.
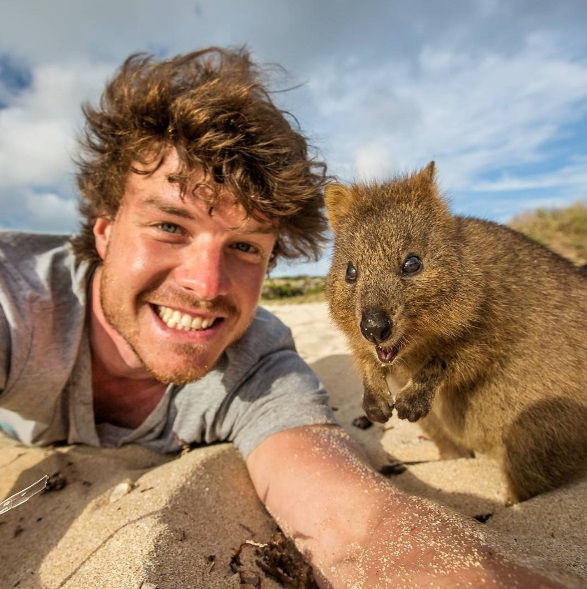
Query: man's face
{"type": "Point", "coordinates": [178, 285]}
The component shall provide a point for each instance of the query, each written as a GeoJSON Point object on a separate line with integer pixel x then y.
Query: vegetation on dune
{"type": "Point", "coordinates": [564, 230]}
{"type": "Point", "coordinates": [293, 289]}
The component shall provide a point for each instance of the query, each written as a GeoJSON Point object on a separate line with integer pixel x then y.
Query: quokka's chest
{"type": "Point", "coordinates": [395, 382]}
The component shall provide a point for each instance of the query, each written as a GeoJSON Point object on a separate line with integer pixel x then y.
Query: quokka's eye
{"type": "Point", "coordinates": [412, 265]}
{"type": "Point", "coordinates": [351, 273]}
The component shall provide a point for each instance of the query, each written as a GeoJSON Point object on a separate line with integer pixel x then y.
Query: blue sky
{"type": "Point", "coordinates": [495, 91]}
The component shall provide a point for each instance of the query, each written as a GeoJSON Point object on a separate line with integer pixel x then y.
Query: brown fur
{"type": "Point", "coordinates": [489, 335]}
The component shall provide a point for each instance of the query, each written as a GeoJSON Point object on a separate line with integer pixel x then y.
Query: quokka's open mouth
{"type": "Point", "coordinates": [387, 355]}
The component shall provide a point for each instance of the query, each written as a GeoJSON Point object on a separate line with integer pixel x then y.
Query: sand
{"type": "Point", "coordinates": [130, 518]}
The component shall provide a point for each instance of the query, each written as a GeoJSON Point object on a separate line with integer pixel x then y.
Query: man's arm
{"type": "Point", "coordinates": [357, 530]}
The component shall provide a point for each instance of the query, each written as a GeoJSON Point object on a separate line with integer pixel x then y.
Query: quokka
{"type": "Point", "coordinates": [466, 326]}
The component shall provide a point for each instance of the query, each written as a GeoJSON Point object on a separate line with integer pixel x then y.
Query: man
{"type": "Point", "coordinates": [145, 328]}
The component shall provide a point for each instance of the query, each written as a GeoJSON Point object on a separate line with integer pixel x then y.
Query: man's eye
{"type": "Point", "coordinates": [169, 227]}
{"type": "Point", "coordinates": [244, 247]}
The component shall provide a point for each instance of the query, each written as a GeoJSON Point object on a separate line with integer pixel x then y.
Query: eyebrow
{"type": "Point", "coordinates": [183, 213]}
{"type": "Point", "coordinates": [170, 209]}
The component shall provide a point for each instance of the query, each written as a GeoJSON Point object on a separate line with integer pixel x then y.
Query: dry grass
{"type": "Point", "coordinates": [562, 230]}
{"type": "Point", "coordinates": [294, 289]}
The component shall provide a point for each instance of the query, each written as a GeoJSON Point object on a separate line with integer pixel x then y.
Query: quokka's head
{"type": "Point", "coordinates": [396, 262]}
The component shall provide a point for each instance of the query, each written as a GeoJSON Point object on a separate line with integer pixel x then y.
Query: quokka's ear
{"type": "Point", "coordinates": [426, 188]}
{"type": "Point", "coordinates": [338, 199]}
{"type": "Point", "coordinates": [424, 183]}
{"type": "Point", "coordinates": [427, 174]}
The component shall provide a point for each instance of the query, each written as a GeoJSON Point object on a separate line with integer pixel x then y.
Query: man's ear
{"type": "Point", "coordinates": [102, 230]}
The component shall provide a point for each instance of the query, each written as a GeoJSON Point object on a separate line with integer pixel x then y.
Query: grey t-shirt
{"type": "Point", "coordinates": [260, 385]}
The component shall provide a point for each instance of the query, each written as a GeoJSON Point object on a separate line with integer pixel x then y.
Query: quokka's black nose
{"type": "Point", "coordinates": [375, 325]}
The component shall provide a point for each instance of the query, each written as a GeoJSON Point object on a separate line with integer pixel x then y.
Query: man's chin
{"type": "Point", "coordinates": [185, 362]}
{"type": "Point", "coordinates": [179, 376]}
{"type": "Point", "coordinates": [180, 373]}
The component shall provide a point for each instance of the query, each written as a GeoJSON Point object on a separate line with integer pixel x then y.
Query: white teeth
{"type": "Point", "coordinates": [184, 322]}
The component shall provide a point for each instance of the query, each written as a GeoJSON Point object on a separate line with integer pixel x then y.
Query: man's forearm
{"type": "Point", "coordinates": [357, 530]}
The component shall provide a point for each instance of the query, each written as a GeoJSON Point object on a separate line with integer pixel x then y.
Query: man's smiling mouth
{"type": "Point", "coordinates": [183, 321]}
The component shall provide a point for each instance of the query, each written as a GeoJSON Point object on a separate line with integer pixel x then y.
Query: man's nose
{"type": "Point", "coordinates": [202, 270]}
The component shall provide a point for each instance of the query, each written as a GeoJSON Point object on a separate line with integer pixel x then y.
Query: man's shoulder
{"type": "Point", "coordinates": [21, 244]}
{"type": "Point", "coordinates": [266, 338]}
{"type": "Point", "coordinates": [266, 334]}
{"type": "Point", "coordinates": [40, 262]}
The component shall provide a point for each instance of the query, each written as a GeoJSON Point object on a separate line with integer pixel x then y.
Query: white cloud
{"type": "Point", "coordinates": [473, 113]}
{"type": "Point", "coordinates": [37, 131]}
{"type": "Point", "coordinates": [571, 175]}
{"type": "Point", "coordinates": [485, 88]}
{"type": "Point", "coordinates": [50, 212]}
{"type": "Point", "coordinates": [32, 150]}
{"type": "Point", "coordinates": [372, 161]}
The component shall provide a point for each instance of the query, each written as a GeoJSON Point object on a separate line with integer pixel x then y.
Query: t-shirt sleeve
{"type": "Point", "coordinates": [42, 312]}
{"type": "Point", "coordinates": [4, 350]}
{"type": "Point", "coordinates": [15, 322]}
{"type": "Point", "coordinates": [282, 393]}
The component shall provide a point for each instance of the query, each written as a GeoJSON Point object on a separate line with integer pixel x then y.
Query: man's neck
{"type": "Point", "coordinates": [123, 401]}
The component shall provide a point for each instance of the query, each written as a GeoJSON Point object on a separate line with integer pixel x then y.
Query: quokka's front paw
{"type": "Point", "coordinates": [377, 406]}
{"type": "Point", "coordinates": [412, 407]}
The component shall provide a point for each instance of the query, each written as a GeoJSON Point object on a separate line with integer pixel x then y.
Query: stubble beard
{"type": "Point", "coordinates": [195, 369]}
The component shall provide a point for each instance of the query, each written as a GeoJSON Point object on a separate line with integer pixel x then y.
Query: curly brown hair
{"type": "Point", "coordinates": [213, 106]}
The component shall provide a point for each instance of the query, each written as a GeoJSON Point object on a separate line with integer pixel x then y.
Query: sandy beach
{"type": "Point", "coordinates": [129, 518]}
